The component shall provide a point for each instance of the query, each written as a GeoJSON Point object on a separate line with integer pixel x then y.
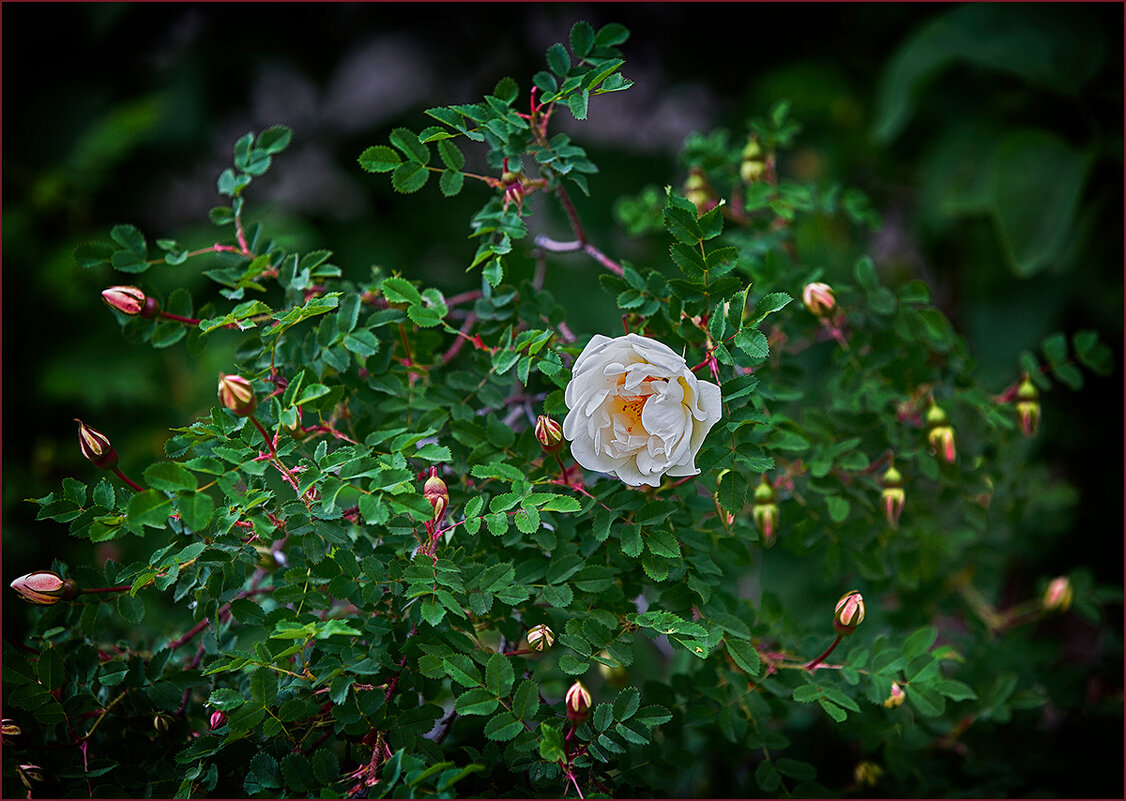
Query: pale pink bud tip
{"type": "Point", "coordinates": [578, 702]}
{"type": "Point", "coordinates": [818, 298]}
{"type": "Point", "coordinates": [44, 588]}
{"type": "Point", "coordinates": [96, 446]}
{"type": "Point", "coordinates": [849, 612]}
{"type": "Point", "coordinates": [237, 394]}
{"type": "Point", "coordinates": [1057, 598]}
{"type": "Point", "coordinates": [130, 300]}
{"type": "Point", "coordinates": [540, 637]}
{"type": "Point", "coordinates": [549, 434]}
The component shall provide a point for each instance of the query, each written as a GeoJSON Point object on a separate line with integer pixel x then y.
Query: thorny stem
{"type": "Point", "coordinates": [127, 480]}
{"type": "Point", "coordinates": [825, 655]}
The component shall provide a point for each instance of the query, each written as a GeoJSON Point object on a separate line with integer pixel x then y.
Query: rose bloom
{"type": "Point", "coordinates": [636, 411]}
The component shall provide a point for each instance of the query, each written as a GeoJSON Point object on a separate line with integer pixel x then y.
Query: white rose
{"type": "Point", "coordinates": [637, 411]}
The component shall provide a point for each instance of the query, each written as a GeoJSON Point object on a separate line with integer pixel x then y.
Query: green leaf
{"type": "Point", "coordinates": [169, 476]}
{"type": "Point", "coordinates": [477, 701]}
{"type": "Point", "coordinates": [919, 642]}
{"type": "Point", "coordinates": [834, 711]}
{"type": "Point", "coordinates": [225, 700]}
{"type": "Point", "coordinates": [838, 508]}
{"type": "Point", "coordinates": [775, 301]}
{"type": "Point", "coordinates": [551, 742]}
{"type": "Point", "coordinates": [195, 509]}
{"type": "Point", "coordinates": [450, 183]}
{"type": "Point", "coordinates": [557, 60]}
{"type": "Point", "coordinates": [753, 343]}
{"type": "Point", "coordinates": [451, 155]}
{"type": "Point", "coordinates": [745, 656]}
{"type": "Point", "coordinates": [627, 703]}
{"type": "Point", "coordinates": [503, 727]}
{"type": "Point", "coordinates": [1037, 182]}
{"type": "Point", "coordinates": [499, 675]}
{"type": "Point", "coordinates": [379, 158]}
{"type": "Point", "coordinates": [132, 240]}
{"type": "Point", "coordinates": [407, 141]}
{"type": "Point", "coordinates": [274, 139]}
{"type": "Point", "coordinates": [582, 38]}
{"type": "Point", "coordinates": [409, 177]}
{"type": "Point", "coordinates": [577, 103]}
{"type": "Point", "coordinates": [1055, 349]}
{"type": "Point", "coordinates": [149, 508]}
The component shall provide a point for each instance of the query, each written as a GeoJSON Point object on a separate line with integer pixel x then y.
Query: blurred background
{"type": "Point", "coordinates": [988, 136]}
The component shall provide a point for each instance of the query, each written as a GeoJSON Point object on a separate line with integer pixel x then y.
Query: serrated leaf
{"type": "Point", "coordinates": [380, 158]}
{"type": "Point", "coordinates": [407, 141]}
{"type": "Point", "coordinates": [169, 476]}
{"type": "Point", "coordinates": [409, 177]}
{"type": "Point", "coordinates": [503, 727]}
{"type": "Point", "coordinates": [745, 656]}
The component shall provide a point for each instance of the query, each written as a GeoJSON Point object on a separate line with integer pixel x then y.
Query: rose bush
{"type": "Point", "coordinates": [636, 411]}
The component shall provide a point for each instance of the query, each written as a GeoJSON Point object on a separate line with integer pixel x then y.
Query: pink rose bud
{"type": "Point", "coordinates": [96, 446]}
{"type": "Point", "coordinates": [435, 491]}
{"type": "Point", "coordinates": [941, 434]}
{"type": "Point", "coordinates": [897, 697]}
{"type": "Point", "coordinates": [1028, 407]}
{"type": "Point", "coordinates": [237, 394]}
{"type": "Point", "coordinates": [849, 612]}
{"type": "Point", "coordinates": [131, 300]}
{"type": "Point", "coordinates": [818, 298]}
{"type": "Point", "coordinates": [45, 588]}
{"type": "Point", "coordinates": [218, 718]}
{"type": "Point", "coordinates": [549, 433]}
{"type": "Point", "coordinates": [540, 637]}
{"type": "Point", "coordinates": [893, 496]}
{"type": "Point", "coordinates": [578, 703]}
{"type": "Point", "coordinates": [1057, 598]}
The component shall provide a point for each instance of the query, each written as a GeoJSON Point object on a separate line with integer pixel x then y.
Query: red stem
{"type": "Point", "coordinates": [825, 655]}
{"type": "Point", "coordinates": [128, 480]}
{"type": "Point", "coordinates": [96, 590]}
{"type": "Point", "coordinates": [179, 319]}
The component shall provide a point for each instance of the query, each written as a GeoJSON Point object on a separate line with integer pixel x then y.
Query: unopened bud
{"type": "Point", "coordinates": [699, 192]}
{"type": "Point", "coordinates": [45, 588]}
{"type": "Point", "coordinates": [29, 773]}
{"type": "Point", "coordinates": [752, 165]}
{"type": "Point", "coordinates": [578, 702]}
{"type": "Point", "coordinates": [893, 496]}
{"type": "Point", "coordinates": [131, 300]}
{"type": "Point", "coordinates": [218, 718]}
{"type": "Point", "coordinates": [764, 511]}
{"type": "Point", "coordinates": [540, 637]}
{"type": "Point", "coordinates": [897, 697]}
{"type": "Point", "coordinates": [849, 612]}
{"type": "Point", "coordinates": [818, 298]}
{"type": "Point", "coordinates": [161, 722]}
{"type": "Point", "coordinates": [941, 434]}
{"type": "Point", "coordinates": [96, 446]}
{"type": "Point", "coordinates": [237, 394]}
{"type": "Point", "coordinates": [436, 492]}
{"type": "Point", "coordinates": [549, 434]}
{"type": "Point", "coordinates": [11, 729]}
{"type": "Point", "coordinates": [1057, 598]}
{"type": "Point", "coordinates": [1028, 407]}
{"type": "Point", "coordinates": [867, 774]}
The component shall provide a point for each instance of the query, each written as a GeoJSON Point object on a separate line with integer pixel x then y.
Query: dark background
{"type": "Point", "coordinates": [127, 113]}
